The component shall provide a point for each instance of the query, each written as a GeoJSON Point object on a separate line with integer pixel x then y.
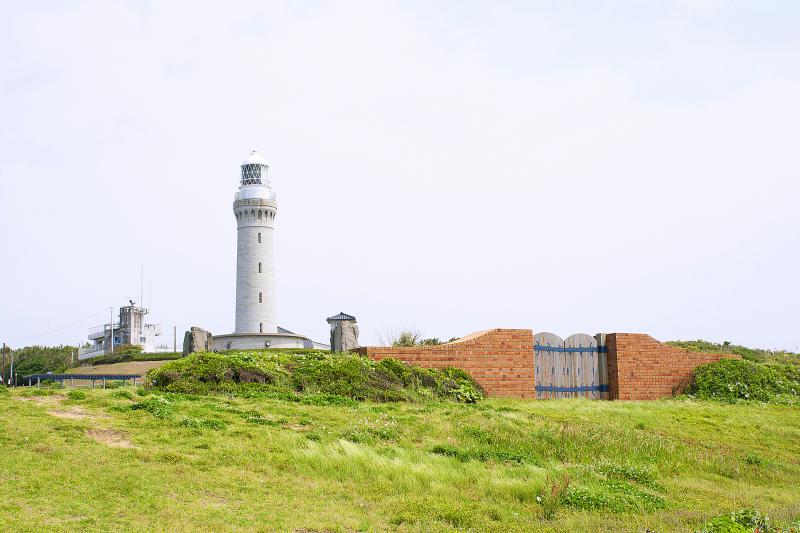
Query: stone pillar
{"type": "Point", "coordinates": [344, 332]}
{"type": "Point", "coordinates": [196, 340]}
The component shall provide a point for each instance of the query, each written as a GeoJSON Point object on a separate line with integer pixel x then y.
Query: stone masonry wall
{"type": "Point", "coordinates": [500, 360]}
{"type": "Point", "coordinates": [641, 368]}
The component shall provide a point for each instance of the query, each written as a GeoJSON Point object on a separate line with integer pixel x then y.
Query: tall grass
{"type": "Point", "coordinates": [235, 463]}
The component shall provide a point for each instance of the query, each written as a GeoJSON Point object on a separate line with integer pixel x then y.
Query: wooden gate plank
{"type": "Point", "coordinates": [550, 366]}
{"type": "Point", "coordinates": [585, 360]}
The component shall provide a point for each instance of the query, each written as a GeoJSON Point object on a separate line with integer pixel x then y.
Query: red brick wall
{"type": "Point", "coordinates": [500, 360]}
{"type": "Point", "coordinates": [641, 368]}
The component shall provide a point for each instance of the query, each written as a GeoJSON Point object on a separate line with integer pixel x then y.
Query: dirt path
{"type": "Point", "coordinates": [110, 437]}
{"type": "Point", "coordinates": [132, 367]}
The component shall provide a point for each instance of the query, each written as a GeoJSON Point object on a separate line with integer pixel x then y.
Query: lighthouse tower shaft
{"type": "Point", "coordinates": [255, 208]}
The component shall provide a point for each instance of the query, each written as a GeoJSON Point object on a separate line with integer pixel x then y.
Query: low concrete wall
{"type": "Point", "coordinates": [641, 368]}
{"type": "Point", "coordinates": [255, 341]}
{"type": "Point", "coordinates": [500, 360]}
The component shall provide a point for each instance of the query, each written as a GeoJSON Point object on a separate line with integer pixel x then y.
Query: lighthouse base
{"type": "Point", "coordinates": [258, 341]}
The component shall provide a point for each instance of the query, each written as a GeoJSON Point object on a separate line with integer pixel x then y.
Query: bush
{"type": "Point", "coordinates": [157, 406]}
{"type": "Point", "coordinates": [318, 378]}
{"type": "Point", "coordinates": [40, 360]}
{"type": "Point", "coordinates": [127, 357]}
{"type": "Point", "coordinates": [127, 349]}
{"type": "Point", "coordinates": [734, 380]}
{"type": "Point", "coordinates": [756, 355]}
{"type": "Point", "coordinates": [741, 521]}
{"type": "Point", "coordinates": [76, 395]}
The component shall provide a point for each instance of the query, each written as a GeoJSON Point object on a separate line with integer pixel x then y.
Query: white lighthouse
{"type": "Point", "coordinates": [255, 207]}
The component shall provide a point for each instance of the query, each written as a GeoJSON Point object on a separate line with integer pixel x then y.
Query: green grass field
{"type": "Point", "coordinates": [117, 460]}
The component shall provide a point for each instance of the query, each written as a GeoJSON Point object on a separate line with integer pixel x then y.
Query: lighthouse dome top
{"type": "Point", "coordinates": [255, 158]}
{"type": "Point", "coordinates": [254, 169]}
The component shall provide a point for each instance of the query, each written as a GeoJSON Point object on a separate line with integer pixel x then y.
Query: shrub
{"type": "Point", "coordinates": [127, 357]}
{"type": "Point", "coordinates": [756, 355]}
{"type": "Point", "coordinates": [734, 380]}
{"type": "Point", "coordinates": [122, 394]}
{"type": "Point", "coordinates": [76, 395]}
{"type": "Point", "coordinates": [313, 377]}
{"type": "Point", "coordinates": [157, 406]}
{"type": "Point", "coordinates": [466, 393]}
{"type": "Point", "coordinates": [127, 349]}
{"type": "Point", "coordinates": [741, 521]}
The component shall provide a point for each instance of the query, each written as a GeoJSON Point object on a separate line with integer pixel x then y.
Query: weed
{"type": "Point", "coordinates": [741, 521]}
{"type": "Point", "coordinates": [157, 406]}
{"type": "Point", "coordinates": [754, 459]}
{"type": "Point", "coordinates": [613, 495]}
{"type": "Point", "coordinates": [76, 395]}
{"type": "Point", "coordinates": [122, 394]}
{"type": "Point", "coordinates": [642, 476]}
{"type": "Point", "coordinates": [455, 514]}
{"type": "Point", "coordinates": [483, 454]}
{"type": "Point", "coordinates": [202, 423]}
{"type": "Point", "coordinates": [262, 421]}
{"type": "Point", "coordinates": [553, 496]}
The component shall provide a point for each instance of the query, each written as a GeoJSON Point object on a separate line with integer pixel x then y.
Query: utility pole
{"type": "Point", "coordinates": [111, 329]}
{"type": "Point", "coordinates": [141, 288]}
{"type": "Point", "coordinates": [175, 338]}
{"type": "Point", "coordinates": [12, 380]}
{"type": "Point", "coordinates": [3, 368]}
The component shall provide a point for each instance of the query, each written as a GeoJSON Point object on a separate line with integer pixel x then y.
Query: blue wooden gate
{"type": "Point", "coordinates": [573, 368]}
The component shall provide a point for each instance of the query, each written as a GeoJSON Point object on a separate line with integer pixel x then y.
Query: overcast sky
{"type": "Point", "coordinates": [449, 167]}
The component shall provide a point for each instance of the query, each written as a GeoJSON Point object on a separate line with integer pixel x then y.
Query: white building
{"type": "Point", "coordinates": [131, 329]}
{"type": "Point", "coordinates": [255, 208]}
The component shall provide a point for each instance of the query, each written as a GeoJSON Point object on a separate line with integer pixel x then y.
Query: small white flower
{"type": "Point", "coordinates": [538, 499]}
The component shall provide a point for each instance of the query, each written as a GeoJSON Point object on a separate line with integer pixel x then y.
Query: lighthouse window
{"type": "Point", "coordinates": [259, 238]}
{"type": "Point", "coordinates": [251, 174]}
{"type": "Point", "coordinates": [260, 300]}
{"type": "Point", "coordinates": [259, 268]}
{"type": "Point", "coordinates": [261, 327]}
{"type": "Point", "coordinates": [259, 215]}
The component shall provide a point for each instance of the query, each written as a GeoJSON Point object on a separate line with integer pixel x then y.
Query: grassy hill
{"type": "Point", "coordinates": [134, 460]}
{"type": "Point", "coordinates": [756, 355]}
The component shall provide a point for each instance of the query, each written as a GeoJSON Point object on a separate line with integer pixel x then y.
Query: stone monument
{"type": "Point", "coordinates": [344, 332]}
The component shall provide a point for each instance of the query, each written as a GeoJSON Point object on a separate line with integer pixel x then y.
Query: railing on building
{"type": "Point", "coordinates": [92, 351]}
{"type": "Point", "coordinates": [101, 331]}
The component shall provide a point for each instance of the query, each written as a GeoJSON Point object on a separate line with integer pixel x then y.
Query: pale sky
{"type": "Point", "coordinates": [444, 166]}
